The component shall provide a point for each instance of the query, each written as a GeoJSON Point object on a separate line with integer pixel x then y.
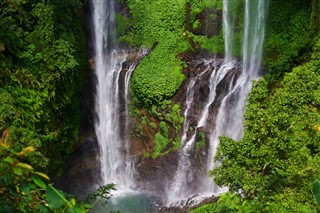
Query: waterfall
{"type": "Point", "coordinates": [113, 72]}
{"type": "Point", "coordinates": [253, 37]}
{"type": "Point", "coordinates": [227, 30]}
{"type": "Point", "coordinates": [111, 94]}
{"type": "Point", "coordinates": [229, 118]}
{"type": "Point", "coordinates": [184, 174]}
{"type": "Point", "coordinates": [179, 189]}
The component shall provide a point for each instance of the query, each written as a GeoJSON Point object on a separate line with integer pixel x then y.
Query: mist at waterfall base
{"type": "Point", "coordinates": [116, 164]}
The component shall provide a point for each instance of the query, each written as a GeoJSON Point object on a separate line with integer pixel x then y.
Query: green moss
{"type": "Point", "coordinates": [164, 129]}
{"type": "Point", "coordinates": [158, 76]}
{"type": "Point", "coordinates": [199, 6]}
{"type": "Point", "coordinates": [153, 125]}
{"type": "Point", "coordinates": [154, 20]}
{"type": "Point", "coordinates": [159, 23]}
{"type": "Point", "coordinates": [146, 155]}
{"type": "Point", "coordinates": [214, 45]}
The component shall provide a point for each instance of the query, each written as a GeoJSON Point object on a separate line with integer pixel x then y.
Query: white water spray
{"type": "Point", "coordinates": [230, 117]}
{"type": "Point", "coordinates": [229, 121]}
{"type": "Point", "coordinates": [184, 174]}
{"type": "Point", "coordinates": [116, 167]}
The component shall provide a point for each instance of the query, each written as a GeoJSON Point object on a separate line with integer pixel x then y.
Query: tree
{"type": "Point", "coordinates": [278, 158]}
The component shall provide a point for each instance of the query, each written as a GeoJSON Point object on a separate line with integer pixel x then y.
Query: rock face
{"type": "Point", "coordinates": [187, 205]}
{"type": "Point", "coordinates": [82, 170]}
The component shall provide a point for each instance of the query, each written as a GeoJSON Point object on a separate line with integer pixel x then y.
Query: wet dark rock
{"type": "Point", "coordinates": [82, 170]}
{"type": "Point", "coordinates": [154, 173]}
{"type": "Point", "coordinates": [209, 22]}
{"type": "Point", "coordinates": [187, 205]}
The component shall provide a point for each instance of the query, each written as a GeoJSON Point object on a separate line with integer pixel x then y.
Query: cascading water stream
{"type": "Point", "coordinates": [230, 117]}
{"type": "Point", "coordinates": [229, 120]}
{"type": "Point", "coordinates": [116, 167]}
{"type": "Point", "coordinates": [183, 177]}
{"type": "Point", "coordinates": [184, 172]}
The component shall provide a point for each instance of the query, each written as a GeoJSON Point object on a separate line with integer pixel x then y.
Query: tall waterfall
{"type": "Point", "coordinates": [111, 89]}
{"type": "Point", "coordinates": [180, 188]}
{"type": "Point", "coordinates": [184, 174]}
{"type": "Point", "coordinates": [229, 119]}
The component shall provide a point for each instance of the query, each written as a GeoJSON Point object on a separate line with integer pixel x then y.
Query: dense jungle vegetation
{"type": "Point", "coordinates": [43, 60]}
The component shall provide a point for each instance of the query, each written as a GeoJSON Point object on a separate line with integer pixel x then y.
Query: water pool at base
{"type": "Point", "coordinates": [128, 202]}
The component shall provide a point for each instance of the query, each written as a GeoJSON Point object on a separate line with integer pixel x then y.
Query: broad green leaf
{"type": "Point", "coordinates": [18, 171]}
{"type": "Point", "coordinates": [25, 166]}
{"type": "Point", "coordinates": [9, 160]}
{"type": "Point", "coordinates": [316, 191]}
{"type": "Point", "coordinates": [54, 198]}
{"type": "Point", "coordinates": [44, 176]}
{"type": "Point", "coordinates": [25, 186]}
{"type": "Point", "coordinates": [37, 180]}
{"type": "Point", "coordinates": [73, 201]}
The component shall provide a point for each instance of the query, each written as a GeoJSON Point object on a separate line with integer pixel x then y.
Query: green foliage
{"type": "Point", "coordinates": [23, 189]}
{"type": "Point", "coordinates": [161, 142]}
{"type": "Point", "coordinates": [227, 203]}
{"type": "Point", "coordinates": [215, 44]}
{"type": "Point", "coordinates": [174, 117]}
{"type": "Point", "coordinates": [103, 193]}
{"type": "Point", "coordinates": [158, 76]}
{"type": "Point", "coordinates": [7, 109]}
{"type": "Point", "coordinates": [165, 128]}
{"type": "Point", "coordinates": [154, 20]}
{"type": "Point", "coordinates": [316, 191]}
{"type": "Point", "coordinates": [168, 114]}
{"type": "Point", "coordinates": [138, 131]}
{"type": "Point", "coordinates": [123, 24]}
{"type": "Point", "coordinates": [146, 155]}
{"type": "Point", "coordinates": [198, 6]}
{"type": "Point", "coordinates": [160, 23]}
{"type": "Point", "coordinates": [213, 12]}
{"type": "Point", "coordinates": [288, 35]}
{"type": "Point", "coordinates": [20, 138]}
{"type": "Point", "coordinates": [42, 58]}
{"type": "Point", "coordinates": [153, 125]}
{"type": "Point", "coordinates": [277, 159]}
